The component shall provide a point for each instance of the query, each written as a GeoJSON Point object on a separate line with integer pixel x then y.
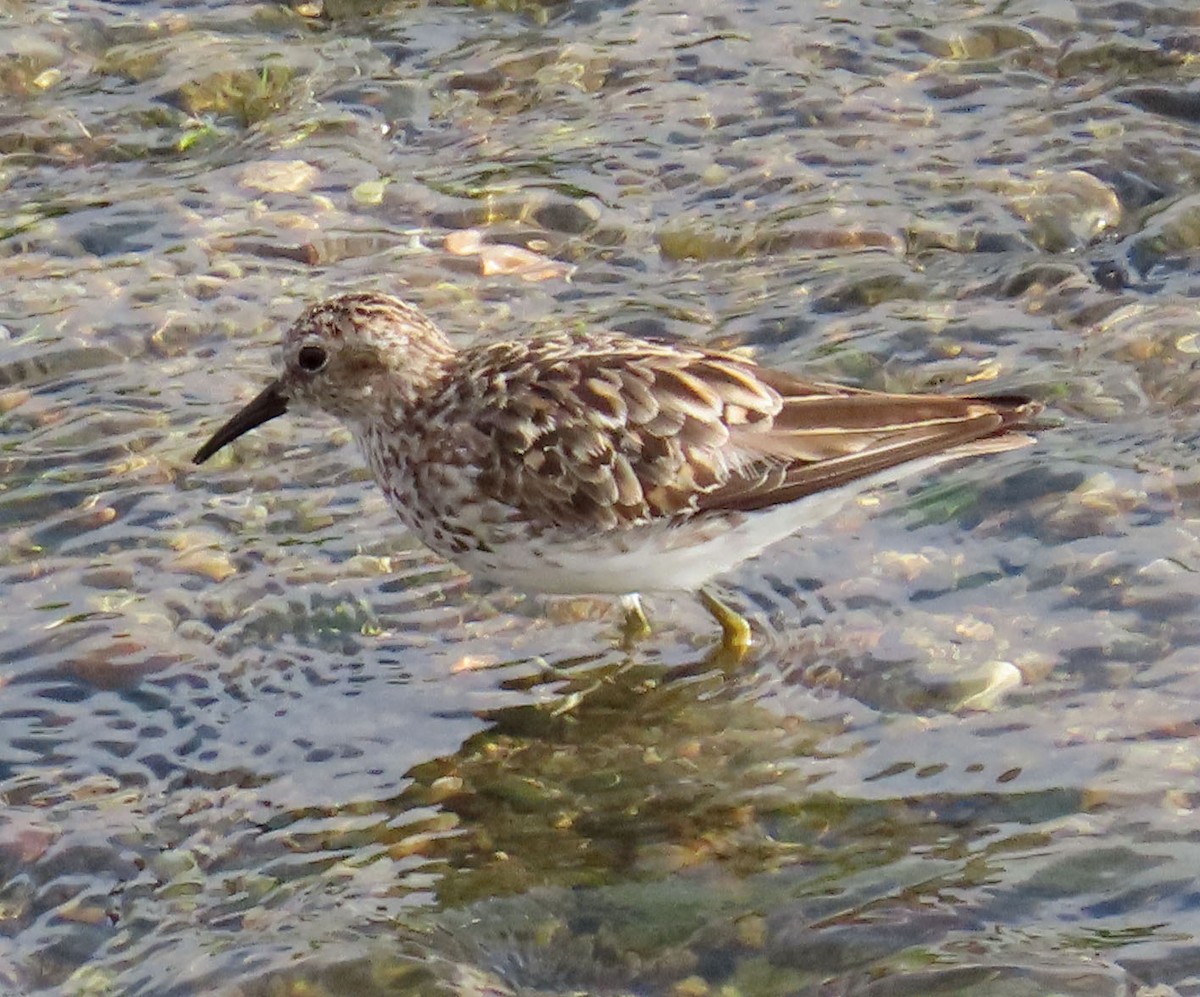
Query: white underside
{"type": "Point", "coordinates": [654, 558]}
{"type": "Point", "coordinates": [658, 557]}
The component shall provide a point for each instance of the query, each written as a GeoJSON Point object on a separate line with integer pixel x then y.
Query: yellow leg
{"type": "Point", "coordinates": [636, 625]}
{"type": "Point", "coordinates": [735, 631]}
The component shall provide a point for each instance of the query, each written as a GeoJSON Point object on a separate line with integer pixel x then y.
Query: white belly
{"type": "Point", "coordinates": [653, 558]}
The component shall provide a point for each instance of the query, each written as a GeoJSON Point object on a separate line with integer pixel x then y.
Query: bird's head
{"type": "Point", "coordinates": [355, 356]}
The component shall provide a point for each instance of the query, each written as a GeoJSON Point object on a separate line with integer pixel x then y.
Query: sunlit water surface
{"type": "Point", "coordinates": [255, 741]}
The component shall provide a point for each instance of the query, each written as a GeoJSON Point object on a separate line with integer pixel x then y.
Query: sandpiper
{"type": "Point", "coordinates": [600, 463]}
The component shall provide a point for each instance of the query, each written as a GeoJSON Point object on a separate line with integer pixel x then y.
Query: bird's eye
{"type": "Point", "coordinates": [311, 358]}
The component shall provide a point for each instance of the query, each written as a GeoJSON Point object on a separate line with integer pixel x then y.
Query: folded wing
{"type": "Point", "coordinates": [613, 432]}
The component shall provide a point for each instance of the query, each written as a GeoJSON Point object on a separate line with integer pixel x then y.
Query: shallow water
{"type": "Point", "coordinates": [254, 740]}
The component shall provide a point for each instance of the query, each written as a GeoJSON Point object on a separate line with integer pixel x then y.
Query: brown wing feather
{"type": "Point", "coordinates": [827, 435]}
{"type": "Point", "coordinates": [606, 431]}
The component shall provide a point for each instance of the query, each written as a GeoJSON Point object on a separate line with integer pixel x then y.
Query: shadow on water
{"type": "Point", "coordinates": [646, 828]}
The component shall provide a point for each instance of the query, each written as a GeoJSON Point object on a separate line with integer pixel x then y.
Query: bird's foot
{"type": "Point", "coordinates": [636, 626]}
{"type": "Point", "coordinates": [735, 630]}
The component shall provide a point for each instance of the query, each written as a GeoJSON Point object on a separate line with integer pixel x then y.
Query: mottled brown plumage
{"type": "Point", "coordinates": [595, 461]}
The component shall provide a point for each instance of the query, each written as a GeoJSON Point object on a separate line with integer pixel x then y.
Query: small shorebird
{"type": "Point", "coordinates": [599, 463]}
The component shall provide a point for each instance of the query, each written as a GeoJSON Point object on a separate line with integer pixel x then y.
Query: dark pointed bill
{"type": "Point", "coordinates": [268, 404]}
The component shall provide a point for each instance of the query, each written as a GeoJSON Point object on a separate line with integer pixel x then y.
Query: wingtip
{"type": "Point", "coordinates": [1015, 411]}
